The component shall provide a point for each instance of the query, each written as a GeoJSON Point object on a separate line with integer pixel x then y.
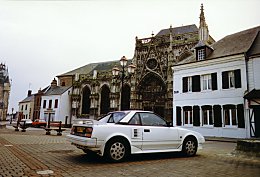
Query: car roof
{"type": "Point", "coordinates": [131, 113]}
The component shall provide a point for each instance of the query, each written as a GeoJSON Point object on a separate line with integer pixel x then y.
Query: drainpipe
{"type": "Point", "coordinates": [247, 88]}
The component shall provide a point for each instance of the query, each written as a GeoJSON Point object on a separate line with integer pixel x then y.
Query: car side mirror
{"type": "Point", "coordinates": [169, 124]}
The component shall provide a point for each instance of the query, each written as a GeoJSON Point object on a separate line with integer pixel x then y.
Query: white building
{"type": "Point", "coordinates": [209, 87]}
{"type": "Point", "coordinates": [26, 106]}
{"type": "Point", "coordinates": [56, 104]}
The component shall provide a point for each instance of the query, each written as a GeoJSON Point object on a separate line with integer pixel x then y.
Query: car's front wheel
{"type": "Point", "coordinates": [189, 147]}
{"type": "Point", "coordinates": [116, 150]}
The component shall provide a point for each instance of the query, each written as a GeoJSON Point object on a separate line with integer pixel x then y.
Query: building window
{"type": "Point", "coordinates": [22, 108]}
{"type": "Point", "coordinates": [230, 115]}
{"type": "Point", "coordinates": [25, 107]}
{"type": "Point", "coordinates": [56, 103]}
{"type": "Point", "coordinates": [201, 54]}
{"type": "Point", "coordinates": [187, 115]}
{"type": "Point", "coordinates": [207, 115]}
{"type": "Point", "coordinates": [50, 104]}
{"type": "Point", "coordinates": [231, 79]}
{"type": "Point", "coordinates": [44, 103]}
{"type": "Point", "coordinates": [206, 83]}
{"type": "Point", "coordinates": [187, 84]}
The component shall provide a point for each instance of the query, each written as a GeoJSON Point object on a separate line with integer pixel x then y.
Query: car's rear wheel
{"type": "Point", "coordinates": [189, 147]}
{"type": "Point", "coordinates": [116, 150]}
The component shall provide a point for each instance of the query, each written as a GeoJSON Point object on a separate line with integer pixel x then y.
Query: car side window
{"type": "Point", "coordinates": [116, 117]}
{"type": "Point", "coordinates": [135, 120]}
{"type": "Point", "coordinates": [149, 119]}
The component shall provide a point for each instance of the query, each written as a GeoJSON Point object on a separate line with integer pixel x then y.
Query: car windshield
{"type": "Point", "coordinates": [113, 117]}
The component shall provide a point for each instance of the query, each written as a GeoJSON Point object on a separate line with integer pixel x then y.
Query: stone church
{"type": "Point", "coordinates": [5, 87]}
{"type": "Point", "coordinates": [96, 91]}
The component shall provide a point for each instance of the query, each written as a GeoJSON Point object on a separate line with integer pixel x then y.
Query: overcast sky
{"type": "Point", "coordinates": [42, 39]}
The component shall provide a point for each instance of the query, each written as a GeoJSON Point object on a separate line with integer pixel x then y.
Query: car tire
{"type": "Point", "coordinates": [189, 147]}
{"type": "Point", "coordinates": [116, 150]}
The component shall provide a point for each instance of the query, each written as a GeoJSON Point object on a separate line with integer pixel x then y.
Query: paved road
{"type": "Point", "coordinates": [32, 153]}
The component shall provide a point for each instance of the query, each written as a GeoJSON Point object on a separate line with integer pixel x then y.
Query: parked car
{"type": "Point", "coordinates": [39, 123]}
{"type": "Point", "coordinates": [136, 132]}
{"type": "Point", "coordinates": [26, 122]}
{"type": "Point", "coordinates": [111, 117]}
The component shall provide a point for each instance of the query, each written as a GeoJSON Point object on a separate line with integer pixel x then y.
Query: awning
{"type": "Point", "coordinates": [253, 94]}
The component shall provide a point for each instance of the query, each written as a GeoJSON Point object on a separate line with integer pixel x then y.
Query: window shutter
{"type": "Point", "coordinates": [214, 81]}
{"type": "Point", "coordinates": [185, 84]}
{"type": "Point", "coordinates": [196, 83]}
{"type": "Point", "coordinates": [240, 116]}
{"type": "Point", "coordinates": [225, 79]}
{"type": "Point", "coordinates": [217, 116]}
{"type": "Point", "coordinates": [178, 115]}
{"type": "Point", "coordinates": [196, 115]}
{"type": "Point", "coordinates": [237, 78]}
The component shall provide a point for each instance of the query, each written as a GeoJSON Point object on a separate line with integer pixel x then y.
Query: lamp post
{"type": "Point", "coordinates": [115, 71]}
{"type": "Point", "coordinates": [12, 116]}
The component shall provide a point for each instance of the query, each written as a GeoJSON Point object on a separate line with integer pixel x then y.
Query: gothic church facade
{"type": "Point", "coordinates": [96, 91]}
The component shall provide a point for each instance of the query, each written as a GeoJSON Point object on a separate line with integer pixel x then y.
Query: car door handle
{"type": "Point", "coordinates": [146, 130]}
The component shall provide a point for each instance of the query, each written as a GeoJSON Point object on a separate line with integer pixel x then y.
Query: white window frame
{"type": "Point", "coordinates": [206, 82]}
{"type": "Point", "coordinates": [189, 118]}
{"type": "Point", "coordinates": [209, 115]}
{"type": "Point", "coordinates": [231, 79]}
{"type": "Point", "coordinates": [189, 84]}
{"type": "Point", "coordinates": [230, 113]}
{"type": "Point", "coordinates": [201, 54]}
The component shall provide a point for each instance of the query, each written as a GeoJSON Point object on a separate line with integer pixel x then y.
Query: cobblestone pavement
{"type": "Point", "coordinates": [32, 153]}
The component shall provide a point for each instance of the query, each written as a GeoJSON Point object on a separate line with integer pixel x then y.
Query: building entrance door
{"type": "Point", "coordinates": [257, 120]}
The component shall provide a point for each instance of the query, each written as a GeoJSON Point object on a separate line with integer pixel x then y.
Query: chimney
{"type": "Point", "coordinates": [54, 83]}
{"type": "Point", "coordinates": [29, 93]}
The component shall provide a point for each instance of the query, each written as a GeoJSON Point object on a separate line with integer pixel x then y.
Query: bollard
{"type": "Point", "coordinates": [59, 131]}
{"type": "Point", "coordinates": [17, 124]}
{"type": "Point", "coordinates": [23, 127]}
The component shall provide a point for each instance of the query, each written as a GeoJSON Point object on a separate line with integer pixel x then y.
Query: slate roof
{"type": "Point", "coordinates": [179, 30]}
{"type": "Point", "coordinates": [57, 90]}
{"type": "Point", "coordinates": [255, 49]}
{"type": "Point", "coordinates": [82, 70]}
{"type": "Point", "coordinates": [235, 43]}
{"type": "Point", "coordinates": [28, 99]}
{"type": "Point", "coordinates": [88, 69]}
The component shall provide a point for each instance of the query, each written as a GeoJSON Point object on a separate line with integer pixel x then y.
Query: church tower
{"type": "Point", "coordinates": [203, 28]}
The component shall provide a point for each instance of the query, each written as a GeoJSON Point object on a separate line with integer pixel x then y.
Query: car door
{"type": "Point", "coordinates": [156, 134]}
{"type": "Point", "coordinates": [136, 132]}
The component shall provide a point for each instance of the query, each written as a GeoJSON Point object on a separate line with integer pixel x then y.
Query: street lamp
{"type": "Point", "coordinates": [115, 71]}
{"type": "Point", "coordinates": [12, 116]}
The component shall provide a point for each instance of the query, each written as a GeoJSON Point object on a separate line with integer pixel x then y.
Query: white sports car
{"type": "Point", "coordinates": [122, 133]}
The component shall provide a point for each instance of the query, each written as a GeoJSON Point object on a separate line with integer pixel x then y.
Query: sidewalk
{"type": "Point", "coordinates": [32, 152]}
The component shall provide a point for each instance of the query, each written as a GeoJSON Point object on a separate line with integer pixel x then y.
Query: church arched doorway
{"type": "Point", "coordinates": [85, 101]}
{"type": "Point", "coordinates": [152, 91]}
{"type": "Point", "coordinates": [105, 100]}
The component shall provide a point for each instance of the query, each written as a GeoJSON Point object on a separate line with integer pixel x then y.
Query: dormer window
{"type": "Point", "coordinates": [201, 54]}
{"type": "Point", "coordinates": [203, 50]}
